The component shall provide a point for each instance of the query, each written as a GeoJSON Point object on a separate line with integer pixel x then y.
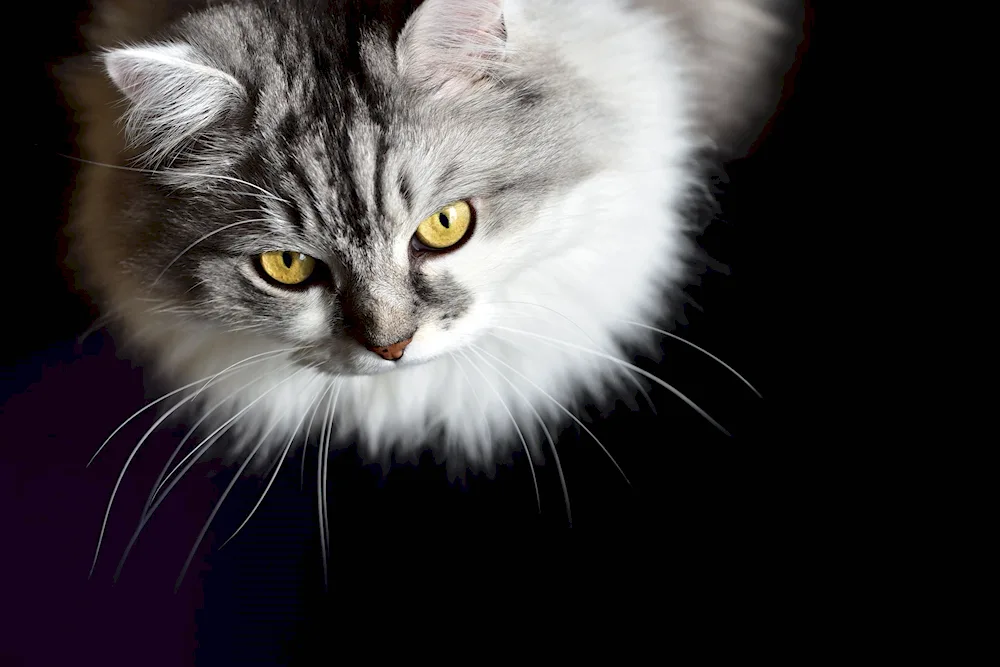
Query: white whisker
{"type": "Point", "coordinates": [195, 286]}
{"type": "Point", "coordinates": [222, 499]}
{"type": "Point", "coordinates": [541, 422]}
{"type": "Point", "coordinates": [207, 379]}
{"type": "Point", "coordinates": [121, 476]}
{"type": "Point", "coordinates": [322, 466]}
{"type": "Point", "coordinates": [139, 412]}
{"type": "Point", "coordinates": [274, 476]}
{"type": "Point", "coordinates": [267, 194]}
{"type": "Point", "coordinates": [89, 331]}
{"type": "Point", "coordinates": [305, 443]}
{"type": "Point", "coordinates": [475, 394]}
{"type": "Point", "coordinates": [202, 447]}
{"type": "Point", "coordinates": [567, 411]}
{"type": "Point", "coordinates": [697, 347]}
{"type": "Point", "coordinates": [531, 465]}
{"type": "Point", "coordinates": [235, 417]}
{"type": "Point", "coordinates": [629, 376]}
{"type": "Point", "coordinates": [319, 490]}
{"type": "Point", "coordinates": [135, 450]}
{"type": "Point", "coordinates": [144, 517]}
{"type": "Point", "coordinates": [206, 236]}
{"type": "Point", "coordinates": [158, 484]}
{"type": "Point", "coordinates": [258, 195]}
{"type": "Point", "coordinates": [633, 367]}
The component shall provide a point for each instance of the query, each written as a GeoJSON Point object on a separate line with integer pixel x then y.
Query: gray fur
{"type": "Point", "coordinates": [336, 138]}
{"type": "Point", "coordinates": [333, 127]}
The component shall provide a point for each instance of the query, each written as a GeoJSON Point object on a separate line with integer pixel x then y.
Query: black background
{"type": "Point", "coordinates": [405, 540]}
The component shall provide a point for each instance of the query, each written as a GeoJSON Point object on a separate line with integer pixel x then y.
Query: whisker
{"type": "Point", "coordinates": [139, 412]}
{"type": "Point", "coordinates": [626, 364]}
{"type": "Point", "coordinates": [195, 286]}
{"type": "Point", "coordinates": [272, 463]}
{"type": "Point", "coordinates": [325, 424]}
{"type": "Point", "coordinates": [128, 461]}
{"type": "Point", "coordinates": [699, 348]}
{"type": "Point", "coordinates": [158, 484]}
{"type": "Point", "coordinates": [322, 466]}
{"type": "Point", "coordinates": [89, 331]}
{"type": "Point", "coordinates": [202, 447]}
{"type": "Point", "coordinates": [121, 476]}
{"type": "Point", "coordinates": [248, 361]}
{"type": "Point", "coordinates": [319, 489]}
{"type": "Point", "coordinates": [629, 376]}
{"type": "Point", "coordinates": [531, 465]}
{"type": "Point", "coordinates": [326, 468]}
{"type": "Point", "coordinates": [269, 195]}
{"type": "Point", "coordinates": [305, 444]}
{"type": "Point", "coordinates": [218, 505]}
{"type": "Point", "coordinates": [475, 394]}
{"type": "Point", "coordinates": [237, 415]}
{"type": "Point", "coordinates": [206, 236]}
{"type": "Point", "coordinates": [144, 517]}
{"type": "Point", "coordinates": [541, 422]}
{"type": "Point", "coordinates": [268, 358]}
{"type": "Point", "coordinates": [208, 378]}
{"type": "Point", "coordinates": [258, 195]}
{"type": "Point", "coordinates": [274, 476]}
{"type": "Point", "coordinates": [564, 409]}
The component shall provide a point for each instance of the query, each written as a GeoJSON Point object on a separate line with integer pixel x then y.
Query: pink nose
{"type": "Point", "coordinates": [391, 352]}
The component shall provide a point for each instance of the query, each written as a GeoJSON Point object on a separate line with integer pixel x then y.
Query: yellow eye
{"type": "Point", "coordinates": [446, 227]}
{"type": "Point", "coordinates": [287, 266]}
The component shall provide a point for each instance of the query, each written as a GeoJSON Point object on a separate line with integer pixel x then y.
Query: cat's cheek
{"type": "Point", "coordinates": [312, 319]}
{"type": "Point", "coordinates": [447, 335]}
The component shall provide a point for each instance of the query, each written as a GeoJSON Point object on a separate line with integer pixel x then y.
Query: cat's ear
{"type": "Point", "coordinates": [453, 42]}
{"type": "Point", "coordinates": [173, 94]}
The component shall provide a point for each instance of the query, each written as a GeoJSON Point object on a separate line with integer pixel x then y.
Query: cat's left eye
{"type": "Point", "coordinates": [287, 266]}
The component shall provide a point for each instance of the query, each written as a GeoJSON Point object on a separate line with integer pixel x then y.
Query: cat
{"type": "Point", "coordinates": [403, 224]}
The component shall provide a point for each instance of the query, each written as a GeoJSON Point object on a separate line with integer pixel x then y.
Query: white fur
{"type": "Point", "coordinates": [585, 288]}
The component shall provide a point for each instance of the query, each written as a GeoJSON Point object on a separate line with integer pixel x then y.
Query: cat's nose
{"type": "Point", "coordinates": [392, 352]}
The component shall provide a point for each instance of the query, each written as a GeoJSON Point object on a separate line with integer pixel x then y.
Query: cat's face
{"type": "Point", "coordinates": [295, 162]}
{"type": "Point", "coordinates": [386, 213]}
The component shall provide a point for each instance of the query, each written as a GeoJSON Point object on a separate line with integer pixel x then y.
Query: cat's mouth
{"type": "Point", "coordinates": [360, 361]}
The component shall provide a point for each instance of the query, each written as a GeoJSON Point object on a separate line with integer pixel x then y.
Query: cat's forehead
{"type": "Point", "coordinates": [355, 178]}
{"type": "Point", "coordinates": [365, 175]}
{"type": "Point", "coordinates": [365, 157]}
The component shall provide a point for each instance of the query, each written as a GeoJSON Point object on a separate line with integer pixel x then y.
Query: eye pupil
{"type": "Point", "coordinates": [443, 219]}
{"type": "Point", "coordinates": [286, 257]}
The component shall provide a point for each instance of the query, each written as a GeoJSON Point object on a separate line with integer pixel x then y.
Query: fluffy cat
{"type": "Point", "coordinates": [403, 223]}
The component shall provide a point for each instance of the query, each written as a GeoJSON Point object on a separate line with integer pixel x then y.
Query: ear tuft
{"type": "Point", "coordinates": [173, 95]}
{"type": "Point", "coordinates": [453, 40]}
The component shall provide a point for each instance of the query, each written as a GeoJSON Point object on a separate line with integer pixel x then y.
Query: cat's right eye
{"type": "Point", "coordinates": [287, 266]}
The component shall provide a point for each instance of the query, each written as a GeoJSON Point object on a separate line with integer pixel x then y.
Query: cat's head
{"type": "Point", "coordinates": [371, 182]}
{"type": "Point", "coordinates": [345, 182]}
